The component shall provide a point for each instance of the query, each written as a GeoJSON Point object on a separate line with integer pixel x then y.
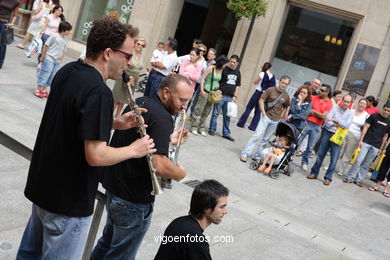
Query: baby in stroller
{"type": "Point", "coordinates": [274, 154]}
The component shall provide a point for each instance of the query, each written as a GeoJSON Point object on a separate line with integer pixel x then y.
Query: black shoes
{"type": "Point", "coordinates": [229, 138]}
{"type": "Point", "coordinates": [211, 133]}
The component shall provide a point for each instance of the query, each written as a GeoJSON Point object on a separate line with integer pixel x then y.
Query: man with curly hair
{"type": "Point", "coordinates": [71, 143]}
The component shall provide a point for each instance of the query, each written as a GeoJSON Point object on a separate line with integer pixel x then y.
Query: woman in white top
{"type": "Point", "coordinates": [263, 81]}
{"type": "Point", "coordinates": [352, 139]}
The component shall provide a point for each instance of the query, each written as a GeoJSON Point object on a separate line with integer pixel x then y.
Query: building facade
{"type": "Point", "coordinates": [345, 43]}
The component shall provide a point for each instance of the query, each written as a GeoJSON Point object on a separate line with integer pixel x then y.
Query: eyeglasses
{"type": "Point", "coordinates": [323, 90]}
{"type": "Point", "coordinates": [139, 44]}
{"type": "Point", "coordinates": [128, 56]}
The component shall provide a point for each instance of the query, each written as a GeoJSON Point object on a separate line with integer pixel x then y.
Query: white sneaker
{"type": "Point", "coordinates": [203, 133]}
{"type": "Point", "coordinates": [304, 167]}
{"type": "Point", "coordinates": [340, 173]}
{"type": "Point", "coordinates": [194, 132]}
{"type": "Point", "coordinates": [325, 168]}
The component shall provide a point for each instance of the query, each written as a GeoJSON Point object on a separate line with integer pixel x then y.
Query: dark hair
{"type": "Point", "coordinates": [205, 196]}
{"type": "Point", "coordinates": [55, 2]}
{"type": "Point", "coordinates": [372, 100]}
{"type": "Point", "coordinates": [197, 41]}
{"type": "Point", "coordinates": [107, 32]}
{"type": "Point", "coordinates": [55, 8]}
{"type": "Point", "coordinates": [329, 89]}
{"type": "Point", "coordinates": [307, 83]}
{"type": "Point", "coordinates": [386, 105]}
{"type": "Point", "coordinates": [171, 82]}
{"type": "Point", "coordinates": [234, 56]}
{"type": "Point", "coordinates": [308, 98]}
{"type": "Point", "coordinates": [196, 50]}
{"type": "Point", "coordinates": [64, 26]}
{"type": "Point", "coordinates": [173, 43]}
{"type": "Point", "coordinates": [161, 43]}
{"type": "Point", "coordinates": [47, 1]}
{"type": "Point", "coordinates": [336, 92]}
{"type": "Point", "coordinates": [266, 66]}
{"type": "Point", "coordinates": [220, 61]}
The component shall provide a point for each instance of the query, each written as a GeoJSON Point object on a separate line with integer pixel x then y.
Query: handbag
{"type": "Point", "coordinates": [355, 155]}
{"type": "Point", "coordinates": [339, 136]}
{"type": "Point", "coordinates": [34, 47]}
{"type": "Point", "coordinates": [215, 96]}
{"type": "Point", "coordinates": [376, 164]}
{"type": "Point", "coordinates": [7, 37]}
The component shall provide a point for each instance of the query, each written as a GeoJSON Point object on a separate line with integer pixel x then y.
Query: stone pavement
{"type": "Point", "coordinates": [288, 218]}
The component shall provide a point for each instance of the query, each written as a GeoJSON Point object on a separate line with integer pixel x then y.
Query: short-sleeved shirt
{"type": "Point", "coordinates": [230, 79]}
{"type": "Point", "coordinates": [169, 61]}
{"type": "Point", "coordinates": [130, 180]}
{"type": "Point", "coordinates": [276, 112]}
{"type": "Point", "coordinates": [56, 46]}
{"type": "Point", "coordinates": [6, 9]}
{"type": "Point", "coordinates": [320, 105]}
{"type": "Point", "coordinates": [379, 126]}
{"type": "Point", "coordinates": [195, 248]}
{"type": "Point", "coordinates": [79, 108]}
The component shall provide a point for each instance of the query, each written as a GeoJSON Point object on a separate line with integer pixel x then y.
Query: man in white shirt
{"type": "Point", "coordinates": [161, 69]}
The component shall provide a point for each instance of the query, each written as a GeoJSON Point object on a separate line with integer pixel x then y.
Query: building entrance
{"type": "Point", "coordinates": [208, 20]}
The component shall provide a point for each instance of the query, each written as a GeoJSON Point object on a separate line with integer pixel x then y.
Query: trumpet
{"type": "Point", "coordinates": [142, 131]}
{"type": "Point", "coordinates": [173, 154]}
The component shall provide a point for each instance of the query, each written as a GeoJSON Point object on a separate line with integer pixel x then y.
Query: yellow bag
{"type": "Point", "coordinates": [380, 162]}
{"type": "Point", "coordinates": [355, 155]}
{"type": "Point", "coordinates": [339, 136]}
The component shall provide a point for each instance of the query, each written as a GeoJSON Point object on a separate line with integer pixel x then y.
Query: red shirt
{"type": "Point", "coordinates": [320, 105]}
{"type": "Point", "coordinates": [372, 110]}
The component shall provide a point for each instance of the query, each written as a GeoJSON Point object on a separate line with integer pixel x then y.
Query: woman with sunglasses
{"type": "Point", "coordinates": [118, 92]}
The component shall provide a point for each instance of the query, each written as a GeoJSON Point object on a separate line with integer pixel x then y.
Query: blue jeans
{"type": "Point", "coordinates": [47, 73]}
{"type": "Point", "coordinates": [195, 98]}
{"type": "Point", "coordinates": [264, 130]}
{"type": "Point", "coordinates": [360, 167]}
{"type": "Point", "coordinates": [53, 236]}
{"type": "Point", "coordinates": [325, 145]}
{"type": "Point", "coordinates": [216, 111]}
{"type": "Point", "coordinates": [153, 83]}
{"type": "Point", "coordinates": [126, 226]}
{"type": "Point", "coordinates": [313, 130]}
{"type": "Point", "coordinates": [253, 103]}
{"type": "Point", "coordinates": [3, 47]}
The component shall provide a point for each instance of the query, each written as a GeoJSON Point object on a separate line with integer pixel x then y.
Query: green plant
{"type": "Point", "coordinates": [247, 8]}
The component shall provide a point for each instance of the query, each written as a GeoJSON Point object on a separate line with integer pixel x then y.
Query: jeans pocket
{"type": "Point", "coordinates": [54, 224]}
{"type": "Point", "coordinates": [124, 215]}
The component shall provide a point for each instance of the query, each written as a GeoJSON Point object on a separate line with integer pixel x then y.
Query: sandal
{"type": "Point", "coordinates": [373, 188]}
{"type": "Point", "coordinates": [386, 194]}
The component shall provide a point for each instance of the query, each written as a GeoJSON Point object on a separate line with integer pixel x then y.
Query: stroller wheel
{"type": "Point", "coordinates": [274, 174]}
{"type": "Point", "coordinates": [253, 165]}
{"type": "Point", "coordinates": [289, 172]}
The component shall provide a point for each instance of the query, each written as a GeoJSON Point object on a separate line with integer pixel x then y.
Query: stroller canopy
{"type": "Point", "coordinates": [287, 129]}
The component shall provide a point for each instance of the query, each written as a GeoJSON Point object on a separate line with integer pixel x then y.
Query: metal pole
{"type": "Point", "coordinates": [97, 216]}
{"type": "Point", "coordinates": [248, 34]}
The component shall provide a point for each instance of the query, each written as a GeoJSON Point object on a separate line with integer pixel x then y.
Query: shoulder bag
{"type": "Point", "coordinates": [7, 36]}
{"type": "Point", "coordinates": [269, 105]}
{"type": "Point", "coordinates": [215, 96]}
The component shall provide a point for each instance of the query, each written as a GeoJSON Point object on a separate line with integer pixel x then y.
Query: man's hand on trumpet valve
{"type": "Point", "coordinates": [175, 137]}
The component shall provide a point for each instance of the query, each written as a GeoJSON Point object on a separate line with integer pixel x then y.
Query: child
{"type": "Point", "coordinates": [158, 53]}
{"type": "Point", "coordinates": [274, 154]}
{"type": "Point", "coordinates": [52, 55]}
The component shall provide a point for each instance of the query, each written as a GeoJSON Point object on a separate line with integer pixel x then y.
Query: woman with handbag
{"type": "Point", "coordinates": [39, 14]}
{"type": "Point", "coordinates": [208, 83]}
{"type": "Point", "coordinates": [8, 10]}
{"type": "Point", "coordinates": [119, 92]}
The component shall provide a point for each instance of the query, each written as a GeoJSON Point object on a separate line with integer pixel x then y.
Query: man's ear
{"type": "Point", "coordinates": [207, 212]}
{"type": "Point", "coordinates": [165, 93]}
{"type": "Point", "coordinates": [106, 54]}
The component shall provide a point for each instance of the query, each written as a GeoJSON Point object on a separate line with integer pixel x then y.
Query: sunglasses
{"type": "Point", "coordinates": [128, 56]}
{"type": "Point", "coordinates": [323, 90]}
{"type": "Point", "coordinates": [139, 44]}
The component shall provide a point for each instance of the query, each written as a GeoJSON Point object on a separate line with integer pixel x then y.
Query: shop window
{"type": "Point", "coordinates": [312, 44]}
{"type": "Point", "coordinates": [93, 9]}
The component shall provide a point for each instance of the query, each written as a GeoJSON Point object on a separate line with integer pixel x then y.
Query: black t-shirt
{"type": "Point", "coordinates": [192, 247]}
{"type": "Point", "coordinates": [229, 80]}
{"type": "Point", "coordinates": [130, 180]}
{"type": "Point", "coordinates": [80, 107]}
{"type": "Point", "coordinates": [379, 126]}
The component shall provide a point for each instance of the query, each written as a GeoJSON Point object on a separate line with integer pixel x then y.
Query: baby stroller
{"type": "Point", "coordinates": [282, 129]}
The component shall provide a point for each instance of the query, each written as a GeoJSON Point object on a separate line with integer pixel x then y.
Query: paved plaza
{"type": "Point", "coordinates": [287, 218]}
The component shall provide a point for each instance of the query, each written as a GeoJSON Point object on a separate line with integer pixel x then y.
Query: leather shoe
{"type": "Point", "coordinates": [228, 137]}
{"type": "Point", "coordinates": [326, 182]}
{"type": "Point", "coordinates": [359, 183]}
{"type": "Point", "coordinates": [211, 133]}
{"type": "Point", "coordinates": [311, 177]}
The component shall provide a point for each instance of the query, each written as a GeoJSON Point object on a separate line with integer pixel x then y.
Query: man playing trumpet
{"type": "Point", "coordinates": [128, 184]}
